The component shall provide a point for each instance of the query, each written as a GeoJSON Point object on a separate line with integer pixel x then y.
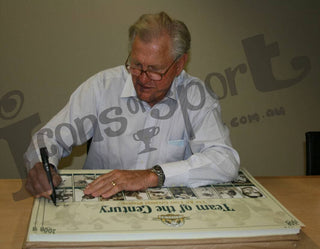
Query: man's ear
{"type": "Point", "coordinates": [181, 63]}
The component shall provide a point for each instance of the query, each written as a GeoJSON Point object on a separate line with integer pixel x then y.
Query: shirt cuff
{"type": "Point", "coordinates": [176, 173]}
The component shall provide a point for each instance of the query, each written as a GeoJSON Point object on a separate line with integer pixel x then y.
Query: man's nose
{"type": "Point", "coordinates": [143, 78]}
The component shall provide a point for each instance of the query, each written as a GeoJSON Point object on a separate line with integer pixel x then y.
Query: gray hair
{"type": "Point", "coordinates": [151, 26]}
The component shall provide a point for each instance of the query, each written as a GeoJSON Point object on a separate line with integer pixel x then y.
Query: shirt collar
{"type": "Point", "coordinates": [128, 89]}
{"type": "Point", "coordinates": [173, 93]}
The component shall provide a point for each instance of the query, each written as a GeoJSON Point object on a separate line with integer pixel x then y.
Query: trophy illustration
{"type": "Point", "coordinates": [145, 136]}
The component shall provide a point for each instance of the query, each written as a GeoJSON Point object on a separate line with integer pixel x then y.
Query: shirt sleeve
{"type": "Point", "coordinates": [66, 129]}
{"type": "Point", "coordinates": [212, 160]}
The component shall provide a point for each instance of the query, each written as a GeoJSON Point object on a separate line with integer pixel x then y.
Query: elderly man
{"type": "Point", "coordinates": [149, 121]}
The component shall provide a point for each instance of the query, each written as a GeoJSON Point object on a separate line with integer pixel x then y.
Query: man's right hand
{"type": "Point", "coordinates": [37, 181]}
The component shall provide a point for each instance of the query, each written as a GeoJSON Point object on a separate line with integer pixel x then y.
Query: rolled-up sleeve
{"type": "Point", "coordinates": [212, 158]}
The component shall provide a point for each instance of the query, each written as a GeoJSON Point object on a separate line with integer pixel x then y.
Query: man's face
{"type": "Point", "coordinates": [153, 56]}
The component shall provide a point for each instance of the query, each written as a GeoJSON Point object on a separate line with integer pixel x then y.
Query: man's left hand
{"type": "Point", "coordinates": [115, 181]}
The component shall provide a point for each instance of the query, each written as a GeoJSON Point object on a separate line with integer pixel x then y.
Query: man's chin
{"type": "Point", "coordinates": [151, 101]}
{"type": "Point", "coordinates": [144, 98]}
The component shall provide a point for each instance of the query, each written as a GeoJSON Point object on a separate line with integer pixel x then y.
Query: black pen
{"type": "Point", "coordinates": [46, 166]}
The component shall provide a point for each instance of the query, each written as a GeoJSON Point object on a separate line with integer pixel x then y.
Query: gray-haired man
{"type": "Point", "coordinates": [149, 121]}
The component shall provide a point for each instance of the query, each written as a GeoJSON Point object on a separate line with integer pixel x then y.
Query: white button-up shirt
{"type": "Point", "coordinates": [183, 133]}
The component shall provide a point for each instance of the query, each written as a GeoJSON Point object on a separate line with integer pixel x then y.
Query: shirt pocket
{"type": "Point", "coordinates": [176, 150]}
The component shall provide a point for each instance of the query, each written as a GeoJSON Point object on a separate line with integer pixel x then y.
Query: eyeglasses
{"type": "Point", "coordinates": [137, 71]}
